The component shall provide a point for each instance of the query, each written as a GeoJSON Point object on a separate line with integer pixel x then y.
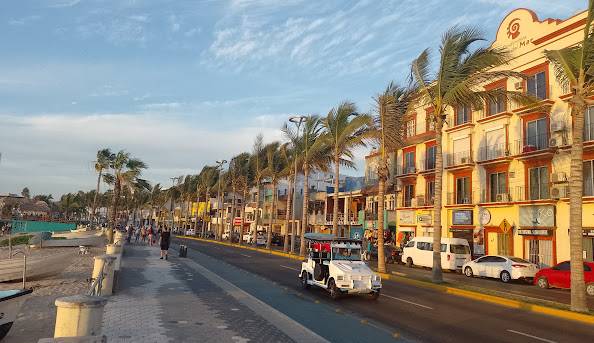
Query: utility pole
{"type": "Point", "coordinates": [219, 234]}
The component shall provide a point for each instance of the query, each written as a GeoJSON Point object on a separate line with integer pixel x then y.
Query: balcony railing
{"type": "Point", "coordinates": [533, 143]}
{"type": "Point", "coordinates": [494, 151]}
{"type": "Point", "coordinates": [427, 165]}
{"type": "Point", "coordinates": [370, 215]}
{"type": "Point", "coordinates": [588, 132]}
{"type": "Point", "coordinates": [466, 198]}
{"type": "Point", "coordinates": [458, 158]}
{"type": "Point", "coordinates": [352, 217]}
{"type": "Point", "coordinates": [406, 170]}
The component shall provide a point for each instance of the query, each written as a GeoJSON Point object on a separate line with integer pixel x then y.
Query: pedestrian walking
{"type": "Point", "coordinates": [164, 242]}
{"type": "Point", "coordinates": [130, 231]}
{"type": "Point", "coordinates": [137, 234]}
{"type": "Point", "coordinates": [143, 234]}
{"type": "Point", "coordinates": [150, 236]}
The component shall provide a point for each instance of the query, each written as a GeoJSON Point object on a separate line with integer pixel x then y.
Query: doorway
{"type": "Point", "coordinates": [539, 251]}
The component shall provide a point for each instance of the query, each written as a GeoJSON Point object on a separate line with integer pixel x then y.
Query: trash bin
{"type": "Point", "coordinates": [183, 251]}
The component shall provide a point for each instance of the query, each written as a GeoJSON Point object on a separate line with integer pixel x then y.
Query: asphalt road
{"type": "Point", "coordinates": [418, 313]}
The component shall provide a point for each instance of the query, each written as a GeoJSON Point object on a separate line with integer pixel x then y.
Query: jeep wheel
{"type": "Point", "coordinates": [304, 283]}
{"type": "Point", "coordinates": [409, 262]}
{"type": "Point", "coordinates": [334, 291]}
{"type": "Point", "coordinates": [374, 295]}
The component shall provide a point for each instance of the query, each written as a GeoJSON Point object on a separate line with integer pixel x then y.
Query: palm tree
{"type": "Point", "coordinates": [390, 107]}
{"type": "Point", "coordinates": [573, 69]}
{"type": "Point", "coordinates": [103, 162]}
{"type": "Point", "coordinates": [459, 74]}
{"type": "Point", "coordinates": [258, 168]}
{"type": "Point", "coordinates": [345, 130]}
{"type": "Point", "coordinates": [126, 174]}
{"type": "Point", "coordinates": [314, 153]}
{"type": "Point", "coordinates": [239, 171]}
{"type": "Point", "coordinates": [288, 154]}
{"type": "Point", "coordinates": [207, 179]}
{"type": "Point", "coordinates": [155, 202]}
{"type": "Point", "coordinates": [273, 172]}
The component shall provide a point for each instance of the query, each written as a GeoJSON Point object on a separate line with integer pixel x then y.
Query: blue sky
{"type": "Point", "coordinates": [181, 83]}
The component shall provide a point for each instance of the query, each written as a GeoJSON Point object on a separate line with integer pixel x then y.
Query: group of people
{"type": "Point", "coordinates": [147, 234]}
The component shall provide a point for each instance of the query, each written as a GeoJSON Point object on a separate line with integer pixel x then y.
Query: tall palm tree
{"type": "Point", "coordinates": [390, 108]}
{"type": "Point", "coordinates": [126, 172]}
{"type": "Point", "coordinates": [346, 130]}
{"type": "Point", "coordinates": [155, 202]}
{"type": "Point", "coordinates": [207, 179]}
{"type": "Point", "coordinates": [288, 154]}
{"type": "Point", "coordinates": [103, 162]}
{"type": "Point", "coordinates": [258, 165]}
{"type": "Point", "coordinates": [273, 172]}
{"type": "Point", "coordinates": [239, 169]}
{"type": "Point", "coordinates": [460, 73]}
{"type": "Point", "coordinates": [573, 68]}
{"type": "Point", "coordinates": [314, 153]}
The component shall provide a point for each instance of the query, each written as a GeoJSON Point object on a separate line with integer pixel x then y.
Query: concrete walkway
{"type": "Point", "coordinates": [181, 301]}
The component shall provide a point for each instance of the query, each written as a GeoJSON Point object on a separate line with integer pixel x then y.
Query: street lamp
{"type": "Point", "coordinates": [297, 120]}
{"type": "Point", "coordinates": [219, 202]}
{"type": "Point", "coordinates": [174, 180]}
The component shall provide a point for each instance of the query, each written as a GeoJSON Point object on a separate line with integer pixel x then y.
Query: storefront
{"type": "Point", "coordinates": [406, 226]}
{"type": "Point", "coordinates": [462, 226]}
{"type": "Point", "coordinates": [537, 228]}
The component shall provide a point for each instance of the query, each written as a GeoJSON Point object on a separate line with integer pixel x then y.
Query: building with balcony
{"type": "Point", "coordinates": [505, 166]}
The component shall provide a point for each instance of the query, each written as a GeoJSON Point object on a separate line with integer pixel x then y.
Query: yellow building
{"type": "Point", "coordinates": [505, 167]}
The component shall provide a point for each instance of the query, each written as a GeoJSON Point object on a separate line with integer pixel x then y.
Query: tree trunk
{"type": "Point", "coordinates": [96, 194]}
{"type": "Point", "coordinates": [243, 204]}
{"type": "Point", "coordinates": [288, 214]}
{"type": "Point", "coordinates": [304, 221]}
{"type": "Point", "coordinates": [576, 182]}
{"type": "Point", "coordinates": [381, 262]}
{"type": "Point", "coordinates": [206, 207]}
{"type": "Point", "coordinates": [232, 225]}
{"type": "Point", "coordinates": [436, 273]}
{"type": "Point", "coordinates": [116, 195]}
{"type": "Point", "coordinates": [336, 185]}
{"type": "Point", "coordinates": [256, 214]}
{"type": "Point", "coordinates": [197, 208]}
{"type": "Point", "coordinates": [271, 220]}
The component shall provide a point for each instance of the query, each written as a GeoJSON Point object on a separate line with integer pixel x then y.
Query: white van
{"type": "Point", "coordinates": [419, 252]}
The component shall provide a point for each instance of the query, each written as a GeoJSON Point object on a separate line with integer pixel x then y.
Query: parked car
{"type": "Point", "coordinates": [559, 276]}
{"type": "Point", "coordinates": [505, 268]}
{"type": "Point", "coordinates": [190, 232]}
{"type": "Point", "coordinates": [334, 264]}
{"type": "Point", "coordinates": [419, 252]}
{"type": "Point", "coordinates": [278, 240]}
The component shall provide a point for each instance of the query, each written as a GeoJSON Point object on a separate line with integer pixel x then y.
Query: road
{"type": "Point", "coordinates": [411, 312]}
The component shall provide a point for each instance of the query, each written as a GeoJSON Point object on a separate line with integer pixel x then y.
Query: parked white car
{"type": "Point", "coordinates": [419, 252]}
{"type": "Point", "coordinates": [260, 238]}
{"type": "Point", "coordinates": [335, 264]}
{"type": "Point", "coordinates": [190, 232]}
{"type": "Point", "coordinates": [505, 268]}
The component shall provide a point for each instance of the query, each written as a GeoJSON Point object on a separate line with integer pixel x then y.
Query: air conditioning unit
{"type": "Point", "coordinates": [559, 177]}
{"type": "Point", "coordinates": [463, 160]}
{"type": "Point", "coordinates": [519, 85]}
{"type": "Point", "coordinates": [503, 197]}
{"type": "Point", "coordinates": [557, 126]}
{"type": "Point", "coordinates": [558, 192]}
{"type": "Point", "coordinates": [553, 142]}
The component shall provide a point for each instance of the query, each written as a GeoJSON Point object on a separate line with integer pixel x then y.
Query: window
{"type": "Point", "coordinates": [588, 178]}
{"type": "Point", "coordinates": [519, 260]}
{"type": "Point", "coordinates": [496, 105]}
{"type": "Point", "coordinates": [430, 123]}
{"type": "Point", "coordinates": [537, 136]}
{"type": "Point", "coordinates": [483, 259]}
{"type": "Point", "coordinates": [539, 183]}
{"type": "Point", "coordinates": [498, 259]}
{"type": "Point", "coordinates": [459, 249]}
{"type": "Point", "coordinates": [563, 266]}
{"type": "Point", "coordinates": [497, 185]}
{"type": "Point", "coordinates": [411, 128]}
{"type": "Point", "coordinates": [536, 85]}
{"type": "Point", "coordinates": [424, 246]}
{"type": "Point", "coordinates": [430, 192]}
{"type": "Point", "coordinates": [463, 190]}
{"type": "Point", "coordinates": [410, 244]}
{"type": "Point", "coordinates": [430, 158]}
{"type": "Point", "coordinates": [409, 162]}
{"type": "Point", "coordinates": [589, 125]}
{"type": "Point", "coordinates": [463, 114]}
{"type": "Point", "coordinates": [409, 194]}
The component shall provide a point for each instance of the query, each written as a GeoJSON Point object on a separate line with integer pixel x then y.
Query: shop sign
{"type": "Point", "coordinates": [484, 216]}
{"type": "Point", "coordinates": [505, 226]}
{"type": "Point", "coordinates": [406, 229]}
{"type": "Point", "coordinates": [537, 216]}
{"type": "Point", "coordinates": [455, 229]}
{"type": "Point", "coordinates": [406, 217]}
{"type": "Point", "coordinates": [424, 218]}
{"type": "Point", "coordinates": [462, 217]}
{"type": "Point", "coordinates": [534, 232]}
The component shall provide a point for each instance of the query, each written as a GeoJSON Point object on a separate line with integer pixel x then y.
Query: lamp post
{"type": "Point", "coordinates": [297, 120]}
{"type": "Point", "coordinates": [219, 233]}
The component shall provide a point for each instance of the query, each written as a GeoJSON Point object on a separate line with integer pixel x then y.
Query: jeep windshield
{"type": "Point", "coordinates": [346, 254]}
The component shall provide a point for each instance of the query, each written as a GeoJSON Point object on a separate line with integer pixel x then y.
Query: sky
{"type": "Point", "coordinates": [181, 83]}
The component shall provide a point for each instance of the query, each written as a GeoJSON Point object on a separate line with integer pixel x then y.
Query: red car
{"type": "Point", "coordinates": [558, 276]}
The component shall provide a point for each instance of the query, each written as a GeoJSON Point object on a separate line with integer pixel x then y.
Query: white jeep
{"type": "Point", "coordinates": [335, 265]}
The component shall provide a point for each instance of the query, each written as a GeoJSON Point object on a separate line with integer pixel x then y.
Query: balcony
{"type": "Point", "coordinates": [494, 152]}
{"type": "Point", "coordinates": [467, 198]}
{"type": "Point", "coordinates": [370, 215]}
{"type": "Point", "coordinates": [427, 165]}
{"type": "Point", "coordinates": [588, 136]}
{"type": "Point", "coordinates": [535, 145]}
{"type": "Point", "coordinates": [351, 219]}
{"type": "Point", "coordinates": [405, 170]}
{"type": "Point", "coordinates": [316, 219]}
{"type": "Point", "coordinates": [506, 197]}
{"type": "Point", "coordinates": [458, 160]}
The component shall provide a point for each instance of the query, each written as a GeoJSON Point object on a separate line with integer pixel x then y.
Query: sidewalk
{"type": "Point", "coordinates": [173, 301]}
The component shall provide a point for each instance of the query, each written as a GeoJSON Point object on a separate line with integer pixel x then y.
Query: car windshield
{"type": "Point", "coordinates": [350, 254]}
{"type": "Point", "coordinates": [459, 249]}
{"type": "Point", "coordinates": [519, 260]}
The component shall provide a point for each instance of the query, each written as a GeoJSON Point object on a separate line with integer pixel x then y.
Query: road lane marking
{"type": "Point", "coordinates": [531, 336]}
{"type": "Point", "coordinates": [245, 255]}
{"type": "Point", "coordinates": [289, 268]}
{"type": "Point", "coordinates": [406, 301]}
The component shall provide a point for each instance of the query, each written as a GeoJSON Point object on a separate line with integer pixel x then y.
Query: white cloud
{"type": "Point", "coordinates": [63, 3]}
{"type": "Point", "coordinates": [24, 20]}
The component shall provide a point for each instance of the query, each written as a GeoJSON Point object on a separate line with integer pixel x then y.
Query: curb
{"type": "Point", "coordinates": [564, 314]}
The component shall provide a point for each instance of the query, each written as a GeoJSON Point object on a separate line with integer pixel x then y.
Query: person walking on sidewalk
{"type": "Point", "coordinates": [164, 242]}
{"type": "Point", "coordinates": [150, 235]}
{"type": "Point", "coordinates": [143, 234]}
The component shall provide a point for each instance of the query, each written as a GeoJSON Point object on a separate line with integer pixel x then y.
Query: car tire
{"type": "Point", "coordinates": [468, 272]}
{"type": "Point", "coordinates": [590, 289]}
{"type": "Point", "coordinates": [374, 295]}
{"type": "Point", "coordinates": [304, 283]}
{"type": "Point", "coordinates": [505, 276]}
{"type": "Point", "coordinates": [333, 290]}
{"type": "Point", "coordinates": [409, 262]}
{"type": "Point", "coordinates": [542, 282]}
